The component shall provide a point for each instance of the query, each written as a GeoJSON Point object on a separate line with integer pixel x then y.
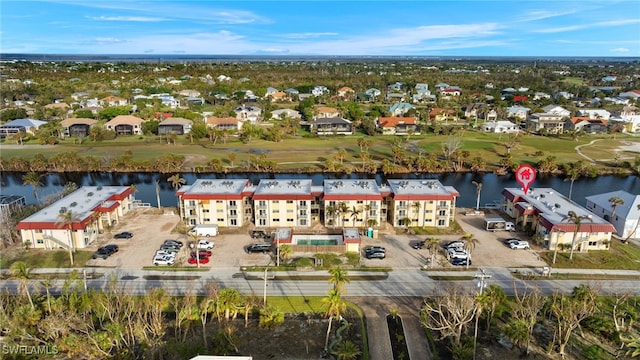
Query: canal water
{"type": "Point", "coordinates": [492, 184]}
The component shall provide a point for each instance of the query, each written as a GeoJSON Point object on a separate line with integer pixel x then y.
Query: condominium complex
{"type": "Point", "coordinates": [76, 220]}
{"type": "Point", "coordinates": [297, 203]}
{"type": "Point", "coordinates": [556, 219]}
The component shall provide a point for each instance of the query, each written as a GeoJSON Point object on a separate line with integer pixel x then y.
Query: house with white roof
{"type": "Point", "coordinates": [500, 127]}
{"type": "Point", "coordinates": [285, 113]}
{"type": "Point", "coordinates": [545, 211]}
{"type": "Point", "coordinates": [76, 220]}
{"type": "Point", "coordinates": [518, 112]}
{"type": "Point", "coordinates": [399, 109]}
{"type": "Point", "coordinates": [625, 217]}
{"type": "Point", "coordinates": [595, 113]}
{"type": "Point", "coordinates": [28, 126]}
{"type": "Point", "coordinates": [248, 113]}
{"type": "Point", "coordinates": [556, 109]}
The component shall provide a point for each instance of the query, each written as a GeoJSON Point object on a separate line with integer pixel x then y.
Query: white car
{"type": "Point", "coordinates": [455, 245]}
{"type": "Point", "coordinates": [519, 245]}
{"type": "Point", "coordinates": [206, 244]}
{"type": "Point", "coordinates": [161, 253]}
{"type": "Point", "coordinates": [164, 260]}
{"type": "Point", "coordinates": [457, 254]}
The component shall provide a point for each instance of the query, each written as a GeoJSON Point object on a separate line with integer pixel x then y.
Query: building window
{"type": "Point", "coordinates": [220, 219]}
{"type": "Point", "coordinates": [233, 222]}
{"type": "Point", "coordinates": [276, 219]}
{"type": "Point", "coordinates": [40, 241]}
{"type": "Point", "coordinates": [206, 219]}
{"type": "Point", "coordinates": [262, 203]}
{"type": "Point", "coordinates": [289, 220]}
{"type": "Point", "coordinates": [192, 203]}
{"type": "Point", "coordinates": [359, 202]}
{"type": "Point", "coordinates": [220, 210]}
{"type": "Point", "coordinates": [303, 203]}
{"type": "Point", "coordinates": [262, 222]}
{"type": "Point", "coordinates": [233, 212]}
{"type": "Point", "coordinates": [276, 211]}
{"type": "Point", "coordinates": [205, 211]}
{"type": "Point", "coordinates": [289, 201]}
{"type": "Point", "coordinates": [442, 213]}
{"type": "Point", "coordinates": [38, 231]}
{"type": "Point", "coordinates": [593, 243]}
{"type": "Point", "coordinates": [303, 222]}
{"type": "Point", "coordinates": [402, 213]}
{"type": "Point", "coordinates": [275, 201]}
{"type": "Point", "coordinates": [441, 223]}
{"type": "Point", "coordinates": [232, 203]}
{"type": "Point", "coordinates": [219, 201]}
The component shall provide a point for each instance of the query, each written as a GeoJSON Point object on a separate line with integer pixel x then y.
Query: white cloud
{"type": "Point", "coordinates": [309, 35]}
{"type": "Point", "coordinates": [535, 15]}
{"type": "Point", "coordinates": [620, 50]}
{"type": "Point", "coordinates": [588, 26]}
{"type": "Point", "coordinates": [127, 18]}
{"type": "Point", "coordinates": [108, 40]}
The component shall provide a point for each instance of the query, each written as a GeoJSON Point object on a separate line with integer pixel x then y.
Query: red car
{"type": "Point", "coordinates": [203, 260]}
{"type": "Point", "coordinates": [201, 253]}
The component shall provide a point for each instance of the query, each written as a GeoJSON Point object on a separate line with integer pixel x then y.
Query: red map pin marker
{"type": "Point", "coordinates": [525, 175]}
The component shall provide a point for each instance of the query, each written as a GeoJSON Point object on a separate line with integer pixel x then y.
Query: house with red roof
{"type": "Point", "coordinates": [398, 125]}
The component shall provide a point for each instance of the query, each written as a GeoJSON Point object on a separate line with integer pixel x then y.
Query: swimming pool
{"type": "Point", "coordinates": [320, 242]}
{"type": "Point", "coordinates": [317, 240]}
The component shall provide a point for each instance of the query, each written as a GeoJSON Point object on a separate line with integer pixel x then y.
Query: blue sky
{"type": "Point", "coordinates": [446, 28]}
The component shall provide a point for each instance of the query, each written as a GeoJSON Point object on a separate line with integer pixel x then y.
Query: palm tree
{"type": "Point", "coordinates": [343, 210]}
{"type": "Point", "coordinates": [176, 181]}
{"type": "Point", "coordinates": [338, 278]}
{"type": "Point", "coordinates": [355, 211]}
{"type": "Point", "coordinates": [615, 201]}
{"type": "Point", "coordinates": [65, 221]}
{"type": "Point", "coordinates": [32, 179]}
{"type": "Point", "coordinates": [285, 251]}
{"type": "Point", "coordinates": [20, 271]}
{"type": "Point", "coordinates": [470, 243]}
{"type": "Point", "coordinates": [347, 350]}
{"type": "Point", "coordinates": [432, 242]}
{"type": "Point", "coordinates": [478, 186]}
{"type": "Point", "coordinates": [576, 219]}
{"type": "Point", "coordinates": [573, 173]}
{"type": "Point", "coordinates": [335, 307]}
{"type": "Point", "coordinates": [635, 230]}
{"type": "Point", "coordinates": [331, 213]}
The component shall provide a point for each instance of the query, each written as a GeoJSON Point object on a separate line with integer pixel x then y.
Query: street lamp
{"type": "Point", "coordinates": [482, 283]}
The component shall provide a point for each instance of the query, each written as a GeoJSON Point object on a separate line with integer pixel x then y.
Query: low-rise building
{"type": "Point", "coordinates": [545, 123]}
{"type": "Point", "coordinates": [421, 203]}
{"type": "Point", "coordinates": [76, 220]}
{"type": "Point", "coordinates": [353, 203]}
{"type": "Point", "coordinates": [284, 202]}
{"type": "Point", "coordinates": [225, 203]}
{"type": "Point", "coordinates": [398, 125]}
{"type": "Point", "coordinates": [547, 213]}
{"type": "Point", "coordinates": [625, 216]}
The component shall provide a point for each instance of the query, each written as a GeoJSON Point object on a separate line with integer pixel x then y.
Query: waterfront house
{"type": "Point", "coordinates": [125, 125]}
{"type": "Point", "coordinates": [586, 124]}
{"type": "Point", "coordinates": [624, 217]}
{"type": "Point", "coordinates": [545, 212]}
{"type": "Point", "coordinates": [27, 126]}
{"type": "Point", "coordinates": [545, 123]}
{"type": "Point", "coordinates": [398, 125]}
{"type": "Point", "coordinates": [331, 126]}
{"type": "Point", "coordinates": [500, 127]}
{"type": "Point", "coordinates": [175, 125]}
{"type": "Point", "coordinates": [76, 220]}
{"type": "Point", "coordinates": [77, 127]}
{"type": "Point", "coordinates": [225, 123]}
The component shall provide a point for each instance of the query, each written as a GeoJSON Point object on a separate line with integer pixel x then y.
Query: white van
{"type": "Point", "coordinates": [204, 230]}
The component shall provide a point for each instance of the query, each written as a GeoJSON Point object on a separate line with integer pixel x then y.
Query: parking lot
{"type": "Point", "coordinates": [151, 229]}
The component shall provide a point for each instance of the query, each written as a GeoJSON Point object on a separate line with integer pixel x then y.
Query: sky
{"type": "Point", "coordinates": [602, 28]}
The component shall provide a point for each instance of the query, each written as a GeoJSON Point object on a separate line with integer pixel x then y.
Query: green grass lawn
{"type": "Point", "coordinates": [620, 257]}
{"type": "Point", "coordinates": [38, 258]}
{"type": "Point", "coordinates": [309, 153]}
{"type": "Point", "coordinates": [297, 304]}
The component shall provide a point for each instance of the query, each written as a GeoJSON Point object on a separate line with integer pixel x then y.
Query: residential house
{"type": "Point", "coordinates": [285, 113]}
{"type": "Point", "coordinates": [422, 94]}
{"type": "Point", "coordinates": [325, 112]}
{"type": "Point", "coordinates": [113, 101]}
{"type": "Point", "coordinates": [471, 111]}
{"type": "Point", "coordinates": [166, 99]}
{"type": "Point", "coordinates": [594, 113]}
{"type": "Point", "coordinates": [565, 94]}
{"type": "Point", "coordinates": [226, 123]}
{"type": "Point", "coordinates": [440, 115]}
{"type": "Point", "coordinates": [587, 124]}
{"type": "Point", "coordinates": [61, 106]}
{"type": "Point", "coordinates": [331, 125]}
{"type": "Point", "coordinates": [450, 92]}
{"type": "Point", "coordinates": [488, 114]}
{"type": "Point", "coordinates": [175, 125]}
{"type": "Point", "coordinates": [633, 94]}
{"type": "Point", "coordinates": [629, 117]}
{"type": "Point", "coordinates": [397, 86]}
{"type": "Point", "coordinates": [395, 97]}
{"type": "Point", "coordinates": [541, 95]}
{"type": "Point", "coordinates": [544, 211]}
{"type": "Point", "coordinates": [556, 109]}
{"type": "Point", "coordinates": [90, 210]}
{"type": "Point", "coordinates": [125, 125]}
{"type": "Point", "coordinates": [422, 203]}
{"type": "Point", "coordinates": [500, 127]}
{"type": "Point", "coordinates": [248, 113]}
{"type": "Point", "coordinates": [398, 125]}
{"type": "Point", "coordinates": [624, 217]}
{"type": "Point", "coordinates": [77, 127]}
{"type": "Point", "coordinates": [518, 112]}
{"type": "Point", "coordinates": [345, 92]}
{"type": "Point", "coordinates": [292, 93]}
{"type": "Point", "coordinates": [278, 96]}
{"type": "Point", "coordinates": [364, 98]}
{"type": "Point", "coordinates": [545, 123]}
{"type": "Point", "coordinates": [399, 109]}
{"type": "Point", "coordinates": [28, 126]}
{"type": "Point", "coordinates": [373, 92]}
{"type": "Point", "coordinates": [270, 91]}
{"type": "Point", "coordinates": [319, 90]}
{"type": "Point", "coordinates": [284, 202]}
{"type": "Point", "coordinates": [223, 202]}
{"type": "Point", "coordinates": [189, 93]}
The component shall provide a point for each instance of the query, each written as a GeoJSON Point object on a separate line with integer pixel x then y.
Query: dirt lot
{"type": "Point", "coordinates": [151, 228]}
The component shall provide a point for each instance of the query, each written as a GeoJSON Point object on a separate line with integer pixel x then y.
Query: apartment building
{"type": "Point", "coordinates": [546, 212]}
{"type": "Point", "coordinates": [421, 203]}
{"type": "Point", "coordinates": [76, 220]}
{"type": "Point", "coordinates": [284, 203]}
{"type": "Point", "coordinates": [353, 203]}
{"type": "Point", "coordinates": [226, 203]}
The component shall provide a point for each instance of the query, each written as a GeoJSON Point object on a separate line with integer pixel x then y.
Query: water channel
{"type": "Point", "coordinates": [492, 184]}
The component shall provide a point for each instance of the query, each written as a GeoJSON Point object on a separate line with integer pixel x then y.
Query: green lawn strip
{"type": "Point", "coordinates": [619, 257]}
{"type": "Point", "coordinates": [297, 304]}
{"type": "Point", "coordinates": [40, 258]}
{"type": "Point", "coordinates": [569, 276]}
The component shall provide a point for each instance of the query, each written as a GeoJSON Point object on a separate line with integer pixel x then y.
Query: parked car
{"type": "Point", "coordinates": [165, 253]}
{"type": "Point", "coordinates": [164, 260]}
{"type": "Point", "coordinates": [418, 244]}
{"type": "Point", "coordinates": [375, 255]}
{"type": "Point", "coordinates": [519, 245]}
{"type": "Point", "coordinates": [511, 240]}
{"type": "Point", "coordinates": [123, 235]}
{"type": "Point", "coordinates": [374, 248]}
{"type": "Point", "coordinates": [202, 260]}
{"type": "Point", "coordinates": [258, 234]}
{"type": "Point", "coordinates": [105, 251]}
{"type": "Point", "coordinates": [201, 253]}
{"type": "Point", "coordinates": [173, 242]}
{"type": "Point", "coordinates": [259, 248]}
{"type": "Point", "coordinates": [170, 248]}
{"type": "Point", "coordinates": [460, 262]}
{"type": "Point", "coordinates": [457, 254]}
{"type": "Point", "coordinates": [454, 244]}
{"type": "Point", "coordinates": [203, 244]}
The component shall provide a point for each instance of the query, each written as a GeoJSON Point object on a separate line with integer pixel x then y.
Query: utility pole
{"type": "Point", "coordinates": [482, 283]}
